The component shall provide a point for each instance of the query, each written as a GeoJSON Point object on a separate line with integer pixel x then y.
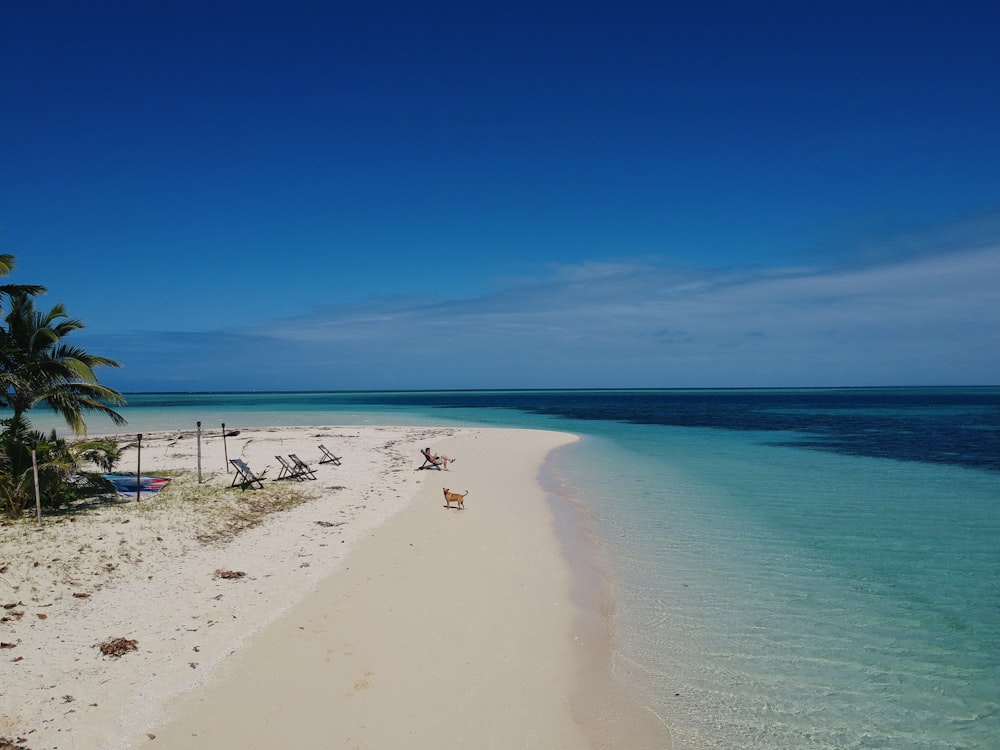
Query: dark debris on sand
{"type": "Point", "coordinates": [118, 647]}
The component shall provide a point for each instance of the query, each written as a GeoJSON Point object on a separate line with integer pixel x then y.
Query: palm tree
{"type": "Point", "coordinates": [37, 367]}
{"type": "Point", "coordinates": [11, 290]}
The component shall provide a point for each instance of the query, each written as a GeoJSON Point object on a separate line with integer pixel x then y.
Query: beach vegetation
{"type": "Point", "coordinates": [62, 466]}
{"type": "Point", "coordinates": [105, 452]}
{"type": "Point", "coordinates": [39, 368]}
{"type": "Point", "coordinates": [224, 513]}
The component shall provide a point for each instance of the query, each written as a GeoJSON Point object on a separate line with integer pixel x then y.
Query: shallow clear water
{"type": "Point", "coordinates": [791, 569]}
{"type": "Point", "coordinates": [774, 597]}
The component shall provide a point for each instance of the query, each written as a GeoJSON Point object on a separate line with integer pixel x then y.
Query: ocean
{"type": "Point", "coordinates": [792, 569]}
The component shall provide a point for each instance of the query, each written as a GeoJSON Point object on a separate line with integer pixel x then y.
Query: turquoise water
{"type": "Point", "coordinates": [775, 597]}
{"type": "Point", "coordinates": [788, 572]}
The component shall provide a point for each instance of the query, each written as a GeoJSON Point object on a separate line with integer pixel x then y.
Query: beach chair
{"type": "Point", "coordinates": [244, 476]}
{"type": "Point", "coordinates": [429, 461]}
{"type": "Point", "coordinates": [288, 470]}
{"type": "Point", "coordinates": [328, 457]}
{"type": "Point", "coordinates": [302, 466]}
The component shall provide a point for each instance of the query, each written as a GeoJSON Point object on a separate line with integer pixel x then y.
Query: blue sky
{"type": "Point", "coordinates": [355, 195]}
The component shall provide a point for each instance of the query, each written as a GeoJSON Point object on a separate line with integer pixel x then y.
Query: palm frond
{"type": "Point", "coordinates": [28, 290]}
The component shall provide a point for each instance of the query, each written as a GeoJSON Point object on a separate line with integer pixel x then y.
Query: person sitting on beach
{"type": "Point", "coordinates": [437, 459]}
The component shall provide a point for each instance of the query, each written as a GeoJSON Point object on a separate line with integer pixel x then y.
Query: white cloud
{"type": "Point", "coordinates": [920, 321]}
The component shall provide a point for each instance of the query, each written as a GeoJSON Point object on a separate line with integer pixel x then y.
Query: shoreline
{"type": "Point", "coordinates": [613, 713]}
{"type": "Point", "coordinates": [208, 626]}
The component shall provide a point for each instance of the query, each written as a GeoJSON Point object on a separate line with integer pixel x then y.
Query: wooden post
{"type": "Point", "coordinates": [38, 497]}
{"type": "Point", "coordinates": [199, 453]}
{"type": "Point", "coordinates": [225, 451]}
{"type": "Point", "coordinates": [138, 467]}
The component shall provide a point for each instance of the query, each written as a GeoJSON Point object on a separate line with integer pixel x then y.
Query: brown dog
{"type": "Point", "coordinates": [453, 497]}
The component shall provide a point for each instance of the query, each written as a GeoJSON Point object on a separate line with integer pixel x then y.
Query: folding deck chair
{"type": "Point", "coordinates": [429, 461]}
{"type": "Point", "coordinates": [288, 471]}
{"type": "Point", "coordinates": [328, 457]}
{"type": "Point", "coordinates": [302, 466]}
{"type": "Point", "coordinates": [244, 476]}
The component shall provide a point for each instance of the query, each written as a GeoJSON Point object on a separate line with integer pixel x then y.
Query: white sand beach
{"type": "Point", "coordinates": [363, 614]}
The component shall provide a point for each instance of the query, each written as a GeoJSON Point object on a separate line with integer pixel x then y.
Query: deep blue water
{"type": "Point", "coordinates": [792, 569]}
{"type": "Point", "coordinates": [959, 426]}
{"type": "Point", "coordinates": [939, 425]}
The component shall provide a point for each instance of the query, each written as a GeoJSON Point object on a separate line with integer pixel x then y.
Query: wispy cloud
{"type": "Point", "coordinates": [924, 320]}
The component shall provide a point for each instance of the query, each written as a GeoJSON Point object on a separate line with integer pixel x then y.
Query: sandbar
{"type": "Point", "coordinates": [368, 615]}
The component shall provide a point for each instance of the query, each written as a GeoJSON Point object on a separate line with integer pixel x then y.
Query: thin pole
{"type": "Point", "coordinates": [38, 497]}
{"type": "Point", "coordinates": [199, 453]}
{"type": "Point", "coordinates": [225, 451]}
{"type": "Point", "coordinates": [138, 467]}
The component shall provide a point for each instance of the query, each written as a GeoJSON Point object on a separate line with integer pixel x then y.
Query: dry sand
{"type": "Point", "coordinates": [368, 614]}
